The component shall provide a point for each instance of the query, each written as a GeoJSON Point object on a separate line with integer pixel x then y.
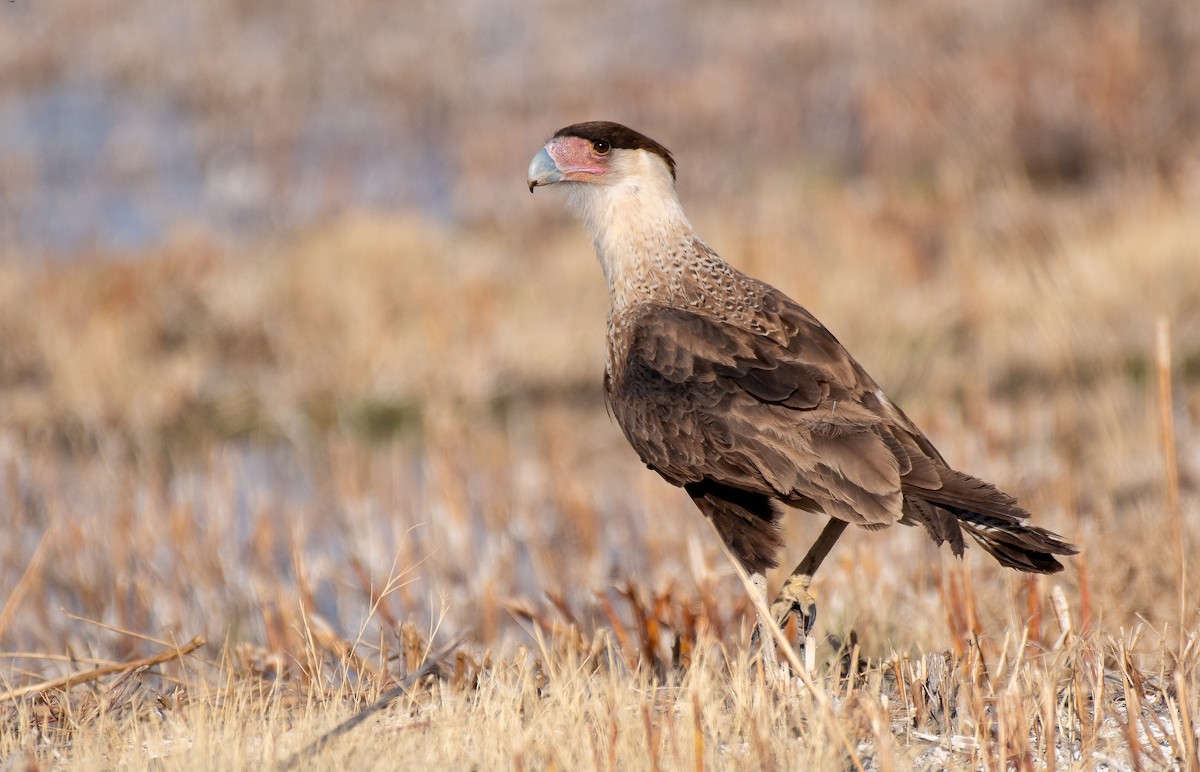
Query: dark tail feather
{"type": "Point", "coordinates": [1014, 544]}
{"type": "Point", "coordinates": [993, 519]}
{"type": "Point", "coordinates": [942, 525]}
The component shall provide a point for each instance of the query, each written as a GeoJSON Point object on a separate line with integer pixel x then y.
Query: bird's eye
{"type": "Point", "coordinates": [601, 146]}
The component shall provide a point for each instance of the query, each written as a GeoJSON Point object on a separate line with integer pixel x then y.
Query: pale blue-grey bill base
{"type": "Point", "coordinates": [543, 170]}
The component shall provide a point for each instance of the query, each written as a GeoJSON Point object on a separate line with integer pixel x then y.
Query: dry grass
{"type": "Point", "coordinates": [316, 454]}
{"type": "Point", "coordinates": [587, 711]}
{"type": "Point", "coordinates": [247, 485]}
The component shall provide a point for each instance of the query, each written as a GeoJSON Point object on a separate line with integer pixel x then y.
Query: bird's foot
{"type": "Point", "coordinates": [795, 612]}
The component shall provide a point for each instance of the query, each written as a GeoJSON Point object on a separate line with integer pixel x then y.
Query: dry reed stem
{"type": "Point", "coordinates": [75, 679]}
{"type": "Point", "coordinates": [28, 577]}
{"type": "Point", "coordinates": [1166, 413]}
{"type": "Point", "coordinates": [1049, 720]}
{"type": "Point", "coordinates": [1183, 705]}
{"type": "Point", "coordinates": [431, 664]}
{"type": "Point", "coordinates": [120, 630]}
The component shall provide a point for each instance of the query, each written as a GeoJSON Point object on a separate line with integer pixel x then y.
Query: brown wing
{"type": "Point", "coordinates": [788, 415]}
{"type": "Point", "coordinates": [741, 417]}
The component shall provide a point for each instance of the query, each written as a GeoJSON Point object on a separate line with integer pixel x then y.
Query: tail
{"type": "Point", "coordinates": [993, 519]}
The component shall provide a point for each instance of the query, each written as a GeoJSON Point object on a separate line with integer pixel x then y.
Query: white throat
{"type": "Point", "coordinates": [639, 229]}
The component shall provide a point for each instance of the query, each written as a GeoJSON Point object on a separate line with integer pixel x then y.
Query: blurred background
{"type": "Point", "coordinates": [279, 319]}
{"type": "Point", "coordinates": [127, 123]}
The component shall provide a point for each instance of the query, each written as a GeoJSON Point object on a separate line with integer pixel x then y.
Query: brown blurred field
{"type": "Point", "coordinates": [290, 361]}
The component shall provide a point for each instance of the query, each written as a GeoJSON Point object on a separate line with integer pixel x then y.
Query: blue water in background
{"type": "Point", "coordinates": [122, 123]}
{"type": "Point", "coordinates": [85, 168]}
{"type": "Point", "coordinates": [76, 193]}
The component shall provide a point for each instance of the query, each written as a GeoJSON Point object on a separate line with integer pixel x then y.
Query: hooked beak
{"type": "Point", "coordinates": [543, 170]}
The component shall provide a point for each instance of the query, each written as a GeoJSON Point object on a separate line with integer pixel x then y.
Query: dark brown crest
{"type": "Point", "coordinates": [620, 137]}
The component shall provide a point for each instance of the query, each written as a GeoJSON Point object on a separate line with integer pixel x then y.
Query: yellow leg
{"type": "Point", "coordinates": [795, 609]}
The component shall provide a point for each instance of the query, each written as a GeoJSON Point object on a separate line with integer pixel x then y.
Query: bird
{"type": "Point", "coordinates": [731, 390]}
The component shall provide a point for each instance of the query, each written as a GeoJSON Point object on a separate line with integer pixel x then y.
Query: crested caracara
{"type": "Point", "coordinates": [733, 391]}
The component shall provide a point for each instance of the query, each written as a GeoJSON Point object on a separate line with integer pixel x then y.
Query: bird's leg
{"type": "Point", "coordinates": [759, 583]}
{"type": "Point", "coordinates": [795, 609]}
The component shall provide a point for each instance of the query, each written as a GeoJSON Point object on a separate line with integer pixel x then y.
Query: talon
{"type": "Point", "coordinates": [795, 603]}
{"type": "Point", "coordinates": [795, 611]}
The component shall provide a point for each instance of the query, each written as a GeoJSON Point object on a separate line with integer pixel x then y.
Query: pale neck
{"type": "Point", "coordinates": [642, 236]}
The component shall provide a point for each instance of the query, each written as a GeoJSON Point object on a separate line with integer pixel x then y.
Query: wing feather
{"type": "Point", "coordinates": [702, 399]}
{"type": "Point", "coordinates": [781, 412]}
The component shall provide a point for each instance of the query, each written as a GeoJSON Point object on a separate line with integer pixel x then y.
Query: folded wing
{"type": "Point", "coordinates": [743, 417]}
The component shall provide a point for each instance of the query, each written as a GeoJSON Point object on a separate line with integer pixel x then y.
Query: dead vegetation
{"type": "Point", "coordinates": [323, 553]}
{"type": "Point", "coordinates": [251, 483]}
{"type": "Point", "coordinates": [662, 693]}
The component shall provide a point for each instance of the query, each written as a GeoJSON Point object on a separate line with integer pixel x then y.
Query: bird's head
{"type": "Point", "coordinates": [599, 153]}
{"type": "Point", "coordinates": [621, 184]}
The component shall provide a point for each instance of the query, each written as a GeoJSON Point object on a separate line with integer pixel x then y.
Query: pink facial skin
{"type": "Point", "coordinates": [576, 158]}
